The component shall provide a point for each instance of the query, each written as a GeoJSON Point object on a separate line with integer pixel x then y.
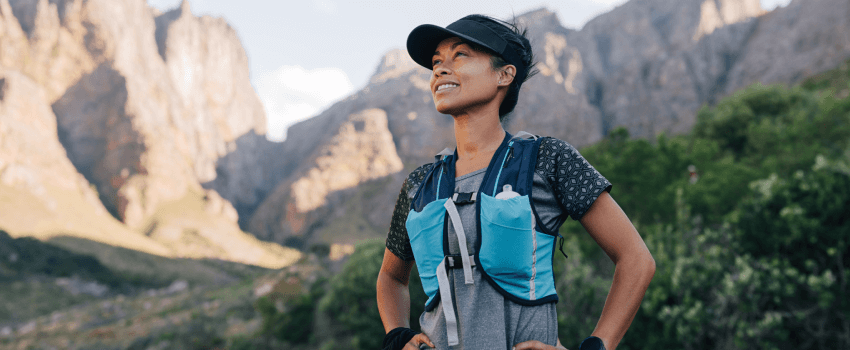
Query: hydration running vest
{"type": "Point", "coordinates": [514, 254]}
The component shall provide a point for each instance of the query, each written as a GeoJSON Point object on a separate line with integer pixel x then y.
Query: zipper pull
{"type": "Point", "coordinates": [561, 246]}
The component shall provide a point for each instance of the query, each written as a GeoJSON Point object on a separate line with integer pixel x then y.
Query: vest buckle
{"type": "Point", "coordinates": [464, 197]}
{"type": "Point", "coordinates": [454, 261]}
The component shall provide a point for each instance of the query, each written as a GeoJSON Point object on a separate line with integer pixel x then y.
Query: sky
{"type": "Point", "coordinates": [305, 55]}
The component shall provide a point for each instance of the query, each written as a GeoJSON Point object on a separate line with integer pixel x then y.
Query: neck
{"type": "Point", "coordinates": [478, 134]}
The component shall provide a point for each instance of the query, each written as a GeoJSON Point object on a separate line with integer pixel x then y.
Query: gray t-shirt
{"type": "Point", "coordinates": [564, 184]}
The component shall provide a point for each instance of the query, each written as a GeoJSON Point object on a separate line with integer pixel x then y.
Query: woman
{"type": "Point", "coordinates": [481, 222]}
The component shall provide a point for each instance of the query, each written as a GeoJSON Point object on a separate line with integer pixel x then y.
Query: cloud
{"type": "Point", "coordinates": [325, 6]}
{"type": "Point", "coordinates": [608, 2]}
{"type": "Point", "coordinates": [772, 4]}
{"type": "Point", "coordinates": [291, 94]}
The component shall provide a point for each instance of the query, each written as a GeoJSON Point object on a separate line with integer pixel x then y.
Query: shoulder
{"type": "Point", "coordinates": [550, 145]}
{"type": "Point", "coordinates": [554, 153]}
{"type": "Point", "coordinates": [575, 182]}
{"type": "Point", "coordinates": [411, 183]}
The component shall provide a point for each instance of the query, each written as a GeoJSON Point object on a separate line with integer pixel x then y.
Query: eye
{"type": "Point", "coordinates": [460, 53]}
{"type": "Point", "coordinates": [435, 62]}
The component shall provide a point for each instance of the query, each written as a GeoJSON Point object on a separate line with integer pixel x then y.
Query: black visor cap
{"type": "Point", "coordinates": [423, 41]}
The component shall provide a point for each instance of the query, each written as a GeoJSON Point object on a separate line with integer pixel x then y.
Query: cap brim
{"type": "Point", "coordinates": [423, 41]}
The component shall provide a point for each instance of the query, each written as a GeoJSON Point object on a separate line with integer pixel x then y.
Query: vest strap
{"type": "Point", "coordinates": [525, 135]}
{"type": "Point", "coordinates": [461, 240]}
{"type": "Point", "coordinates": [448, 305]}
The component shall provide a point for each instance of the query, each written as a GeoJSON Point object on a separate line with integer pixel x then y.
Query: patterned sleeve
{"type": "Point", "coordinates": [397, 240]}
{"type": "Point", "coordinates": [575, 182]}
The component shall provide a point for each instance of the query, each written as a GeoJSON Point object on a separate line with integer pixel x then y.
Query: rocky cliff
{"type": "Point", "coordinates": [647, 65]}
{"type": "Point", "coordinates": [362, 149]}
{"type": "Point", "coordinates": [144, 105]}
{"type": "Point", "coordinates": [41, 193]}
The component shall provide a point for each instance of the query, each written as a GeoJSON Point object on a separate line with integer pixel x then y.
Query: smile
{"type": "Point", "coordinates": [446, 86]}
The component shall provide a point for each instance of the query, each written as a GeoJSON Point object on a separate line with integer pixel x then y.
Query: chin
{"type": "Point", "coordinates": [446, 107]}
{"type": "Point", "coordinates": [454, 107]}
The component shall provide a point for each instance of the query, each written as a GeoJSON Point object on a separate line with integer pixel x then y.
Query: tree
{"type": "Point", "coordinates": [351, 301]}
{"type": "Point", "coordinates": [797, 232]}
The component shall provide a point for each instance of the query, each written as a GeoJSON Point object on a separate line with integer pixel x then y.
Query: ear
{"type": "Point", "coordinates": [506, 75]}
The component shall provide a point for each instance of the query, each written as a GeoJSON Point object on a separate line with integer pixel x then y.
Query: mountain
{"type": "Point", "coordinates": [111, 97]}
{"type": "Point", "coordinates": [647, 65]}
{"type": "Point", "coordinates": [127, 126]}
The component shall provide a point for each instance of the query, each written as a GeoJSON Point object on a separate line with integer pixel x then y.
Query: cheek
{"type": "Point", "coordinates": [482, 76]}
{"type": "Point", "coordinates": [484, 83]}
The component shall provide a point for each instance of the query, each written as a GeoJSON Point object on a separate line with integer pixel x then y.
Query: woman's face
{"type": "Point", "coordinates": [462, 79]}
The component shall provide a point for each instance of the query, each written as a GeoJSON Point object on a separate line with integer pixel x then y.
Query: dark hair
{"type": "Point", "coordinates": [516, 38]}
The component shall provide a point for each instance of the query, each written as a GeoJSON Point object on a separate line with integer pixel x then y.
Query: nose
{"type": "Point", "coordinates": [441, 70]}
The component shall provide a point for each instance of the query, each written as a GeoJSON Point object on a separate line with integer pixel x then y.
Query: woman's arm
{"type": "Point", "coordinates": [393, 293]}
{"type": "Point", "coordinates": [394, 297]}
{"type": "Point", "coordinates": [613, 231]}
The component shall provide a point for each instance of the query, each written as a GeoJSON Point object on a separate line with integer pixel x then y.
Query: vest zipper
{"type": "Point", "coordinates": [442, 165]}
{"type": "Point", "coordinates": [510, 155]}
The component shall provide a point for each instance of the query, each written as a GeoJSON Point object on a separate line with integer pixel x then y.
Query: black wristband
{"type": "Point", "coordinates": [592, 343]}
{"type": "Point", "coordinates": [397, 338]}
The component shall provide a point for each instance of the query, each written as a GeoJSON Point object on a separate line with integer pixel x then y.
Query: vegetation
{"type": "Point", "coordinates": [339, 310]}
{"type": "Point", "coordinates": [751, 255]}
{"type": "Point", "coordinates": [27, 256]}
{"type": "Point", "coordinates": [29, 270]}
{"type": "Point", "coordinates": [75, 291]}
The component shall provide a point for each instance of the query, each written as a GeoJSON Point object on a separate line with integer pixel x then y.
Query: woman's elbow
{"type": "Point", "coordinates": [649, 267]}
{"type": "Point", "coordinates": [642, 265]}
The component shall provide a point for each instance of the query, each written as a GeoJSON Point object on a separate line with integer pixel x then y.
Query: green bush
{"type": "Point", "coordinates": [581, 287]}
{"type": "Point", "coordinates": [796, 232]}
{"type": "Point", "coordinates": [351, 301]}
{"type": "Point", "coordinates": [294, 324]}
{"type": "Point", "coordinates": [641, 172]}
{"type": "Point", "coordinates": [771, 277]}
{"type": "Point", "coordinates": [777, 129]}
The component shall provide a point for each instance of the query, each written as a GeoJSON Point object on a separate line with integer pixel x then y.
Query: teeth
{"type": "Point", "coordinates": [445, 86]}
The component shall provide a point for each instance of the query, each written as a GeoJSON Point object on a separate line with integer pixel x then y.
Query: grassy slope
{"type": "Point", "coordinates": [24, 214]}
{"type": "Point", "coordinates": [191, 231]}
{"type": "Point", "coordinates": [195, 318]}
{"type": "Point", "coordinates": [30, 270]}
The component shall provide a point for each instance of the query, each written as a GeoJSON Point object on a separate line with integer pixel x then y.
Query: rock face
{"type": "Point", "coordinates": [41, 193]}
{"type": "Point", "coordinates": [647, 65]}
{"type": "Point", "coordinates": [361, 150]}
{"type": "Point", "coordinates": [634, 63]}
{"type": "Point", "coordinates": [146, 105]}
{"type": "Point", "coordinates": [209, 70]}
{"type": "Point", "coordinates": [154, 139]}
{"type": "Point", "coordinates": [801, 40]}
